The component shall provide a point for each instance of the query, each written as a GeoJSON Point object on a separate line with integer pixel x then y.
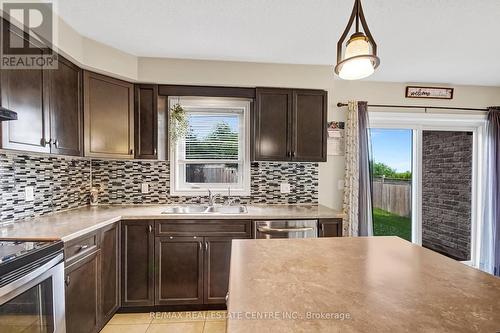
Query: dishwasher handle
{"type": "Point", "coordinates": [267, 230]}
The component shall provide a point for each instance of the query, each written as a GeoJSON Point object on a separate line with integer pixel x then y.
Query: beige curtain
{"type": "Point", "coordinates": [357, 189]}
{"type": "Point", "coordinates": [351, 180]}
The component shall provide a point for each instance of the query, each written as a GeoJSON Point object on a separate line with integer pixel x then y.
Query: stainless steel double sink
{"type": "Point", "coordinates": [204, 209]}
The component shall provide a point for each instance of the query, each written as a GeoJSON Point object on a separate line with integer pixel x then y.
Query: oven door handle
{"type": "Point", "coordinates": [267, 230]}
{"type": "Point", "coordinates": [30, 276]}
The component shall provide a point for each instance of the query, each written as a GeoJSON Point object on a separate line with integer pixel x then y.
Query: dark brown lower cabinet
{"type": "Point", "coordinates": [137, 263]}
{"type": "Point", "coordinates": [192, 270]}
{"type": "Point", "coordinates": [82, 294]}
{"type": "Point", "coordinates": [330, 228]}
{"type": "Point", "coordinates": [179, 270]}
{"type": "Point", "coordinates": [110, 272]}
{"type": "Point", "coordinates": [217, 263]}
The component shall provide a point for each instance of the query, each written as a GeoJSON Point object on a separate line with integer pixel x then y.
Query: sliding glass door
{"type": "Point", "coordinates": [426, 171]}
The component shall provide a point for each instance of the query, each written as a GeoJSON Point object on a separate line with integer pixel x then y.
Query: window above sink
{"type": "Point", "coordinates": [215, 152]}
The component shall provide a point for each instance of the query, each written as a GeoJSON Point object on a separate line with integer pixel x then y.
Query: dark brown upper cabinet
{"type": "Point", "coordinates": [290, 125]}
{"type": "Point", "coordinates": [66, 116]}
{"type": "Point", "coordinates": [146, 121]}
{"type": "Point", "coordinates": [108, 116]}
{"type": "Point", "coordinates": [137, 257]}
{"type": "Point", "coordinates": [48, 103]}
{"type": "Point", "coordinates": [309, 122]}
{"type": "Point", "coordinates": [272, 120]}
{"type": "Point", "coordinates": [25, 91]}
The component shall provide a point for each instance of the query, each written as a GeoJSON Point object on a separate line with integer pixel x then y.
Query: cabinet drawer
{"type": "Point", "coordinates": [80, 247]}
{"type": "Point", "coordinates": [230, 228]}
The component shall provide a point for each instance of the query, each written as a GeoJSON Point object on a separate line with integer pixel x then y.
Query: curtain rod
{"type": "Point", "coordinates": [416, 107]}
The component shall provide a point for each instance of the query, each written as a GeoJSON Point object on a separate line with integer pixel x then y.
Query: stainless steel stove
{"type": "Point", "coordinates": [32, 286]}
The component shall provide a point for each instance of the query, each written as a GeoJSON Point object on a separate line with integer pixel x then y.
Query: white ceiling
{"type": "Point", "coordinates": [442, 41]}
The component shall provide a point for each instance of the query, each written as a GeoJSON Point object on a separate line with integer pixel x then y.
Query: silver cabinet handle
{"type": "Point", "coordinates": [267, 230]}
{"type": "Point", "coordinates": [150, 228]}
{"type": "Point", "coordinates": [66, 280]}
{"type": "Point", "coordinates": [44, 142]}
{"type": "Point", "coordinates": [199, 246]}
{"type": "Point", "coordinates": [155, 151]}
{"type": "Point", "coordinates": [84, 247]}
{"type": "Point", "coordinates": [227, 297]}
{"type": "Point", "coordinates": [206, 246]}
{"type": "Point", "coordinates": [56, 143]}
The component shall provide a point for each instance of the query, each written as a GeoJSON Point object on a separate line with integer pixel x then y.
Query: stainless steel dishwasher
{"type": "Point", "coordinates": [285, 229]}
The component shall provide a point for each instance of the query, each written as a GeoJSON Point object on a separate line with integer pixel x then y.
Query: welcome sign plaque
{"type": "Point", "coordinates": [429, 92]}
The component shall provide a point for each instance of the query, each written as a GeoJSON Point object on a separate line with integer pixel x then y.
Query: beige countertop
{"type": "Point", "coordinates": [376, 284]}
{"type": "Point", "coordinates": [70, 224]}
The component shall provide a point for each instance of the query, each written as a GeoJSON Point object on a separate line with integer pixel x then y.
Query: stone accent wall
{"type": "Point", "coordinates": [446, 193]}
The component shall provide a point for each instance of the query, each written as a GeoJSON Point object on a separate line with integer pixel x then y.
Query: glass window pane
{"type": "Point", "coordinates": [392, 178]}
{"type": "Point", "coordinates": [224, 173]}
{"type": "Point", "coordinates": [213, 137]}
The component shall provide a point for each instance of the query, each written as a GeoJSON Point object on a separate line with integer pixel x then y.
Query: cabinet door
{"type": "Point", "coordinates": [179, 270]}
{"type": "Point", "coordinates": [146, 121]}
{"type": "Point", "coordinates": [330, 228]}
{"type": "Point", "coordinates": [309, 125]}
{"type": "Point", "coordinates": [82, 295]}
{"type": "Point", "coordinates": [110, 272]}
{"type": "Point", "coordinates": [271, 124]}
{"type": "Point", "coordinates": [23, 92]}
{"type": "Point", "coordinates": [217, 262]}
{"type": "Point", "coordinates": [137, 263]}
{"type": "Point", "coordinates": [108, 116]}
{"type": "Point", "coordinates": [66, 118]}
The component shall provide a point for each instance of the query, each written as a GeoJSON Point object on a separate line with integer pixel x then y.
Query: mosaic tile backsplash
{"type": "Point", "coordinates": [120, 183]}
{"type": "Point", "coordinates": [59, 183]}
{"type": "Point", "coordinates": [64, 182]}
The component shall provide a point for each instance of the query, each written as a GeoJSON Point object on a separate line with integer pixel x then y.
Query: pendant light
{"type": "Point", "coordinates": [360, 57]}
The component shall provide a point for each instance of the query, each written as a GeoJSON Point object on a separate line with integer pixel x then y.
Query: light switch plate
{"type": "Point", "coordinates": [144, 188]}
{"type": "Point", "coordinates": [29, 193]}
{"type": "Point", "coordinates": [284, 188]}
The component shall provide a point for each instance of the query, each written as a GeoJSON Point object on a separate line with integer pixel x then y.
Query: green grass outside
{"type": "Point", "coordinates": [388, 224]}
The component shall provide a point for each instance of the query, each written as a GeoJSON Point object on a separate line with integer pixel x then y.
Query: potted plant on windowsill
{"type": "Point", "coordinates": [179, 123]}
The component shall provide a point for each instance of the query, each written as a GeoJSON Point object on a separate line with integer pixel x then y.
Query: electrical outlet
{"type": "Point", "coordinates": [29, 193]}
{"type": "Point", "coordinates": [144, 188]}
{"type": "Point", "coordinates": [284, 188]}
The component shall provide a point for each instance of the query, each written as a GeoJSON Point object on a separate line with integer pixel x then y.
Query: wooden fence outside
{"type": "Point", "coordinates": [393, 196]}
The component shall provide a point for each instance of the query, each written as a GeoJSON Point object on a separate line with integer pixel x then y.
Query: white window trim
{"type": "Point", "coordinates": [220, 104]}
{"type": "Point", "coordinates": [418, 122]}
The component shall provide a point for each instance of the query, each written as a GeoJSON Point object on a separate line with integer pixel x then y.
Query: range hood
{"type": "Point", "coordinates": [6, 114]}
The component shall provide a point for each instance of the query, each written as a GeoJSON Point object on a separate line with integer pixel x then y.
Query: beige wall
{"type": "Point", "coordinates": [178, 71]}
{"type": "Point", "coordinates": [104, 59]}
{"type": "Point", "coordinates": [93, 55]}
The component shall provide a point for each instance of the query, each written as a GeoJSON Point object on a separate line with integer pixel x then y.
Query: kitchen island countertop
{"type": "Point", "coordinates": [365, 284]}
{"type": "Point", "coordinates": [73, 223]}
